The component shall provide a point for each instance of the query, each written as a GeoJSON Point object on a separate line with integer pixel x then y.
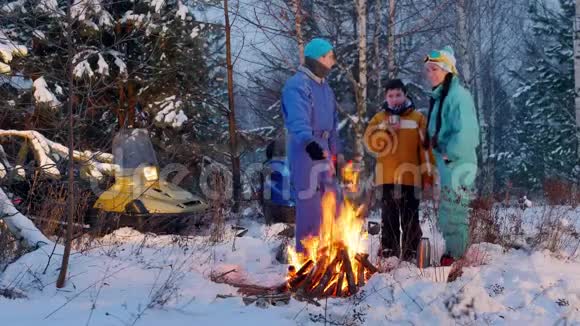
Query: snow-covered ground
{"type": "Point", "coordinates": [129, 278]}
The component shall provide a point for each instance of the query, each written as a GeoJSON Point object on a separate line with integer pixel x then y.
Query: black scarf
{"type": "Point", "coordinates": [401, 109]}
{"type": "Point", "coordinates": [316, 68]}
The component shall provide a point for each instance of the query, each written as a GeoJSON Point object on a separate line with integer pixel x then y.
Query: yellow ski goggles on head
{"type": "Point", "coordinates": [437, 57]}
{"type": "Point", "coordinates": [434, 56]}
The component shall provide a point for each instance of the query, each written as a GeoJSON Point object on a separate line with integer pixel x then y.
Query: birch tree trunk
{"type": "Point", "coordinates": [377, 42]}
{"type": "Point", "coordinates": [361, 89]}
{"type": "Point", "coordinates": [298, 28]}
{"type": "Point", "coordinates": [577, 71]}
{"type": "Point", "coordinates": [489, 133]}
{"type": "Point", "coordinates": [391, 40]}
{"type": "Point", "coordinates": [479, 82]}
{"type": "Point", "coordinates": [462, 28]}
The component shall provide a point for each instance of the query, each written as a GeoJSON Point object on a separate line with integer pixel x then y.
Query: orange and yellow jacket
{"type": "Point", "coordinates": [398, 149]}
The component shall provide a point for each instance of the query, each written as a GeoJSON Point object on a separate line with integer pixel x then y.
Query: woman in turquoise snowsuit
{"type": "Point", "coordinates": [310, 117]}
{"type": "Point", "coordinates": [453, 132]}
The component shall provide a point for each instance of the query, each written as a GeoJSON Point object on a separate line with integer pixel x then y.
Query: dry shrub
{"type": "Point", "coordinates": [482, 203]}
{"type": "Point", "coordinates": [556, 229]}
{"type": "Point", "coordinates": [50, 211]}
{"type": "Point", "coordinates": [559, 192]}
{"type": "Point", "coordinates": [492, 223]}
{"type": "Point", "coordinates": [483, 225]}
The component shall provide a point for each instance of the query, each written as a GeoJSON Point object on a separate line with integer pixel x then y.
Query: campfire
{"type": "Point", "coordinates": [334, 263]}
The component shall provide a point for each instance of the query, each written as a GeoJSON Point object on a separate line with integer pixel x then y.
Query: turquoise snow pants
{"type": "Point", "coordinates": [457, 190]}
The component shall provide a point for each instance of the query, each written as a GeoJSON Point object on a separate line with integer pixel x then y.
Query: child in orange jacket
{"type": "Point", "coordinates": [403, 169]}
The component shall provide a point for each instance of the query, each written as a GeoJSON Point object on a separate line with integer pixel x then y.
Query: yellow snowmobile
{"type": "Point", "coordinates": [139, 197]}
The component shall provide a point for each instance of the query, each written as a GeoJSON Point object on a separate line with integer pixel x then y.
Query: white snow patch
{"type": "Point", "coordinates": [119, 62]}
{"type": "Point", "coordinates": [84, 9]}
{"type": "Point", "coordinates": [90, 24]}
{"type": "Point", "coordinates": [43, 95]}
{"type": "Point", "coordinates": [195, 32]}
{"type": "Point", "coordinates": [20, 224]}
{"type": "Point", "coordinates": [39, 34]}
{"type": "Point", "coordinates": [342, 124]}
{"type": "Point", "coordinates": [157, 5]}
{"type": "Point", "coordinates": [83, 69]}
{"type": "Point", "coordinates": [9, 49]}
{"type": "Point", "coordinates": [106, 19]}
{"type": "Point", "coordinates": [13, 6]}
{"type": "Point", "coordinates": [49, 7]}
{"type": "Point", "coordinates": [171, 113]}
{"type": "Point", "coordinates": [87, 10]}
{"type": "Point", "coordinates": [166, 280]}
{"type": "Point", "coordinates": [137, 19]}
{"type": "Point", "coordinates": [182, 10]}
{"type": "Point", "coordinates": [58, 89]}
{"type": "Point", "coordinates": [103, 68]}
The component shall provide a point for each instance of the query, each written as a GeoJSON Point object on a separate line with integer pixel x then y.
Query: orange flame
{"type": "Point", "coordinates": [340, 228]}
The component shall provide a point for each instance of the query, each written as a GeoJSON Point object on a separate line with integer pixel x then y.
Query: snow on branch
{"type": "Point", "coordinates": [50, 8]}
{"type": "Point", "coordinates": [95, 165]}
{"type": "Point", "coordinates": [13, 6]}
{"type": "Point", "coordinates": [42, 95]}
{"type": "Point", "coordinates": [8, 50]}
{"type": "Point", "coordinates": [20, 225]}
{"type": "Point", "coordinates": [171, 113]}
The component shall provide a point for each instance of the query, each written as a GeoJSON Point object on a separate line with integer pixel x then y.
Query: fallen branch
{"type": "Point", "coordinates": [272, 299]}
{"type": "Point", "coordinates": [19, 225]}
{"type": "Point", "coordinates": [217, 278]}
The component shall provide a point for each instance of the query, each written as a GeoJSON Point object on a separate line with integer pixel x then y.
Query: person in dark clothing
{"type": "Point", "coordinates": [403, 169]}
{"type": "Point", "coordinates": [400, 212]}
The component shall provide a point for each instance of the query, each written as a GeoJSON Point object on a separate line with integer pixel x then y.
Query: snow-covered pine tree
{"type": "Point", "coordinates": [143, 55]}
{"type": "Point", "coordinates": [547, 142]}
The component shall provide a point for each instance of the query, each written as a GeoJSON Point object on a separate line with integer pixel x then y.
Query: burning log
{"type": "Point", "coordinates": [364, 260]}
{"type": "Point", "coordinates": [347, 266]}
{"type": "Point", "coordinates": [339, 285]}
{"type": "Point", "coordinates": [313, 276]}
{"type": "Point", "coordinates": [301, 275]}
{"type": "Point", "coordinates": [326, 277]}
{"type": "Point", "coordinates": [291, 271]}
{"type": "Point", "coordinates": [360, 275]}
{"type": "Point", "coordinates": [305, 268]}
{"type": "Point", "coordinates": [339, 277]}
{"type": "Point", "coordinates": [331, 270]}
{"type": "Point", "coordinates": [332, 288]}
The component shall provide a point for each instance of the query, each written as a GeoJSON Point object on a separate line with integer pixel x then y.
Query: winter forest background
{"type": "Point", "coordinates": [204, 77]}
{"type": "Point", "coordinates": [163, 63]}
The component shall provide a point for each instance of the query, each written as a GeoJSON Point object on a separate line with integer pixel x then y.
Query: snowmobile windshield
{"type": "Point", "coordinates": [132, 149]}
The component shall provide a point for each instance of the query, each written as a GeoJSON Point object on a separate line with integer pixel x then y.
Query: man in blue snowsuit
{"type": "Point", "coordinates": [310, 117]}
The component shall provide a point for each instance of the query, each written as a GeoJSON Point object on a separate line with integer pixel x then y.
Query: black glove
{"type": "Point", "coordinates": [315, 151]}
{"type": "Point", "coordinates": [446, 160]}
